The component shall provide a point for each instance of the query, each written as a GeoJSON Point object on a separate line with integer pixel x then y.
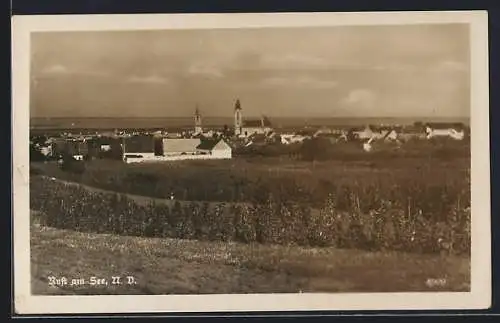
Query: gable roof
{"type": "Point", "coordinates": [180, 145]}
{"type": "Point", "coordinates": [213, 144]}
{"type": "Point", "coordinates": [255, 123]}
{"type": "Point", "coordinates": [207, 144]}
{"type": "Point", "coordinates": [389, 132]}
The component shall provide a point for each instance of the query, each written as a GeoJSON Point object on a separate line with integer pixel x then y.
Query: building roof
{"type": "Point", "coordinates": [257, 123]}
{"type": "Point", "coordinates": [258, 137]}
{"type": "Point", "coordinates": [181, 145]}
{"type": "Point", "coordinates": [207, 144]}
{"type": "Point", "coordinates": [445, 125]}
{"type": "Point", "coordinates": [139, 144]}
{"type": "Point", "coordinates": [306, 132]}
{"type": "Point", "coordinates": [211, 144]}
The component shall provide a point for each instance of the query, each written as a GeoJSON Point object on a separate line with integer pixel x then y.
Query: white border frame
{"type": "Point", "coordinates": [478, 298]}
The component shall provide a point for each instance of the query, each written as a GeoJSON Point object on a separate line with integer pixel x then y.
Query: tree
{"type": "Point", "coordinates": [72, 165]}
{"type": "Point", "coordinates": [36, 154]}
{"type": "Point", "coordinates": [315, 149]}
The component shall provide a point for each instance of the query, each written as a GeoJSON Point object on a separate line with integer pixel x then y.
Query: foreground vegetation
{"type": "Point", "coordinates": [271, 222]}
{"type": "Point", "coordinates": [419, 177]}
{"type": "Point", "coordinates": [418, 202]}
{"type": "Point", "coordinates": [173, 266]}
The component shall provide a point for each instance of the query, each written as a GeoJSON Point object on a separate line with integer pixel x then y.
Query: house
{"type": "Point", "coordinates": [287, 139]}
{"type": "Point", "coordinates": [215, 149]}
{"type": "Point", "coordinates": [391, 135]}
{"type": "Point", "coordinates": [76, 147]}
{"type": "Point", "coordinates": [363, 134]}
{"type": "Point", "coordinates": [386, 133]}
{"type": "Point", "coordinates": [259, 139]}
{"type": "Point", "coordinates": [323, 131]}
{"type": "Point", "coordinates": [139, 147]}
{"type": "Point", "coordinates": [105, 147]}
{"type": "Point", "coordinates": [169, 149]}
{"type": "Point", "coordinates": [452, 130]}
{"type": "Point", "coordinates": [367, 146]}
{"type": "Point", "coordinates": [46, 150]}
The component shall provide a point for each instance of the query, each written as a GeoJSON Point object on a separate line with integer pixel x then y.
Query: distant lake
{"type": "Point", "coordinates": [215, 122]}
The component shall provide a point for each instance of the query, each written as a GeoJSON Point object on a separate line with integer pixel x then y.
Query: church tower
{"type": "Point", "coordinates": [197, 121]}
{"type": "Point", "coordinates": [238, 118]}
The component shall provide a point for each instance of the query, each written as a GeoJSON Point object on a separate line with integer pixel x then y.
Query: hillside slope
{"type": "Point", "coordinates": [171, 266]}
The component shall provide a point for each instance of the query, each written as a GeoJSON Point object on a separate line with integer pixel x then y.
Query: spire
{"type": "Point", "coordinates": [237, 105]}
{"type": "Point", "coordinates": [197, 120]}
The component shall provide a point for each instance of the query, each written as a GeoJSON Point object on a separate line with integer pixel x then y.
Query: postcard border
{"type": "Point", "coordinates": [480, 294]}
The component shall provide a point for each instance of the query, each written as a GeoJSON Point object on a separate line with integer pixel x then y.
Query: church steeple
{"type": "Point", "coordinates": [238, 118]}
{"type": "Point", "coordinates": [197, 121]}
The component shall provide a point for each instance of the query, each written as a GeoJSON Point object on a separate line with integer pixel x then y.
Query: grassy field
{"type": "Point", "coordinates": [416, 198]}
{"type": "Point", "coordinates": [175, 266]}
{"type": "Point", "coordinates": [378, 222]}
{"type": "Point", "coordinates": [429, 181]}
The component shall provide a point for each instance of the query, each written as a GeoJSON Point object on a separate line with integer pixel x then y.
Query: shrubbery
{"type": "Point", "coordinates": [377, 223]}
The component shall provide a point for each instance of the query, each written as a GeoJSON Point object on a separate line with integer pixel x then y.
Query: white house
{"type": "Point", "coordinates": [168, 149]}
{"type": "Point", "coordinates": [367, 146]}
{"type": "Point", "coordinates": [287, 139]}
{"type": "Point", "coordinates": [445, 130]}
{"type": "Point", "coordinates": [105, 147]}
{"type": "Point", "coordinates": [364, 134]}
{"type": "Point", "coordinates": [46, 150]}
{"type": "Point", "coordinates": [215, 149]}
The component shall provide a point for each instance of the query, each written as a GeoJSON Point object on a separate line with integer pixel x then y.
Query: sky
{"type": "Point", "coordinates": [340, 71]}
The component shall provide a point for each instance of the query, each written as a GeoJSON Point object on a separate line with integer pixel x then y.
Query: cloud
{"type": "Point", "coordinates": [394, 67]}
{"type": "Point", "coordinates": [151, 79]}
{"type": "Point", "coordinates": [55, 69]}
{"type": "Point", "coordinates": [361, 98]}
{"type": "Point", "coordinates": [205, 70]}
{"type": "Point", "coordinates": [444, 66]}
{"type": "Point", "coordinates": [59, 69]}
{"type": "Point", "coordinates": [303, 82]}
{"type": "Point", "coordinates": [293, 61]}
{"type": "Point", "coordinates": [451, 66]}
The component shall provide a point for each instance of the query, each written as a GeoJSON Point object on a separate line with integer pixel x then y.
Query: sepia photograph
{"type": "Point", "coordinates": [230, 162]}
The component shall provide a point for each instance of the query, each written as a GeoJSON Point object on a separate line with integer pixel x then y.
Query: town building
{"type": "Point", "coordinates": [249, 127]}
{"type": "Point", "coordinates": [170, 149]}
{"type": "Point", "coordinates": [139, 147]}
{"type": "Point", "coordinates": [215, 149]}
{"type": "Point", "coordinates": [452, 130]}
{"type": "Point", "coordinates": [197, 122]}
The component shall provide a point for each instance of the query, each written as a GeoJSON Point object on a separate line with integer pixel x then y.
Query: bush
{"type": "Point", "coordinates": [387, 225]}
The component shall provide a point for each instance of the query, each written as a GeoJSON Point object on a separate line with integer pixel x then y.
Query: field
{"type": "Point", "coordinates": [283, 224]}
{"type": "Point", "coordinates": [176, 266]}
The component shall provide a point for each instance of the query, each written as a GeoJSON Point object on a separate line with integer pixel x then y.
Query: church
{"type": "Point", "coordinates": [249, 127]}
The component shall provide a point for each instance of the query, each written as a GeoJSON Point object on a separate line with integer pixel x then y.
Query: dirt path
{"type": "Point", "coordinates": [145, 200]}
{"type": "Point", "coordinates": [140, 199]}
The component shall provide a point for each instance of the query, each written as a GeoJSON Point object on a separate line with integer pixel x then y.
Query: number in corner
{"type": "Point", "coordinates": [435, 282]}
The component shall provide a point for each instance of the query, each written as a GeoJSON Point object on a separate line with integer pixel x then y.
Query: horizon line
{"type": "Point", "coordinates": [249, 116]}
